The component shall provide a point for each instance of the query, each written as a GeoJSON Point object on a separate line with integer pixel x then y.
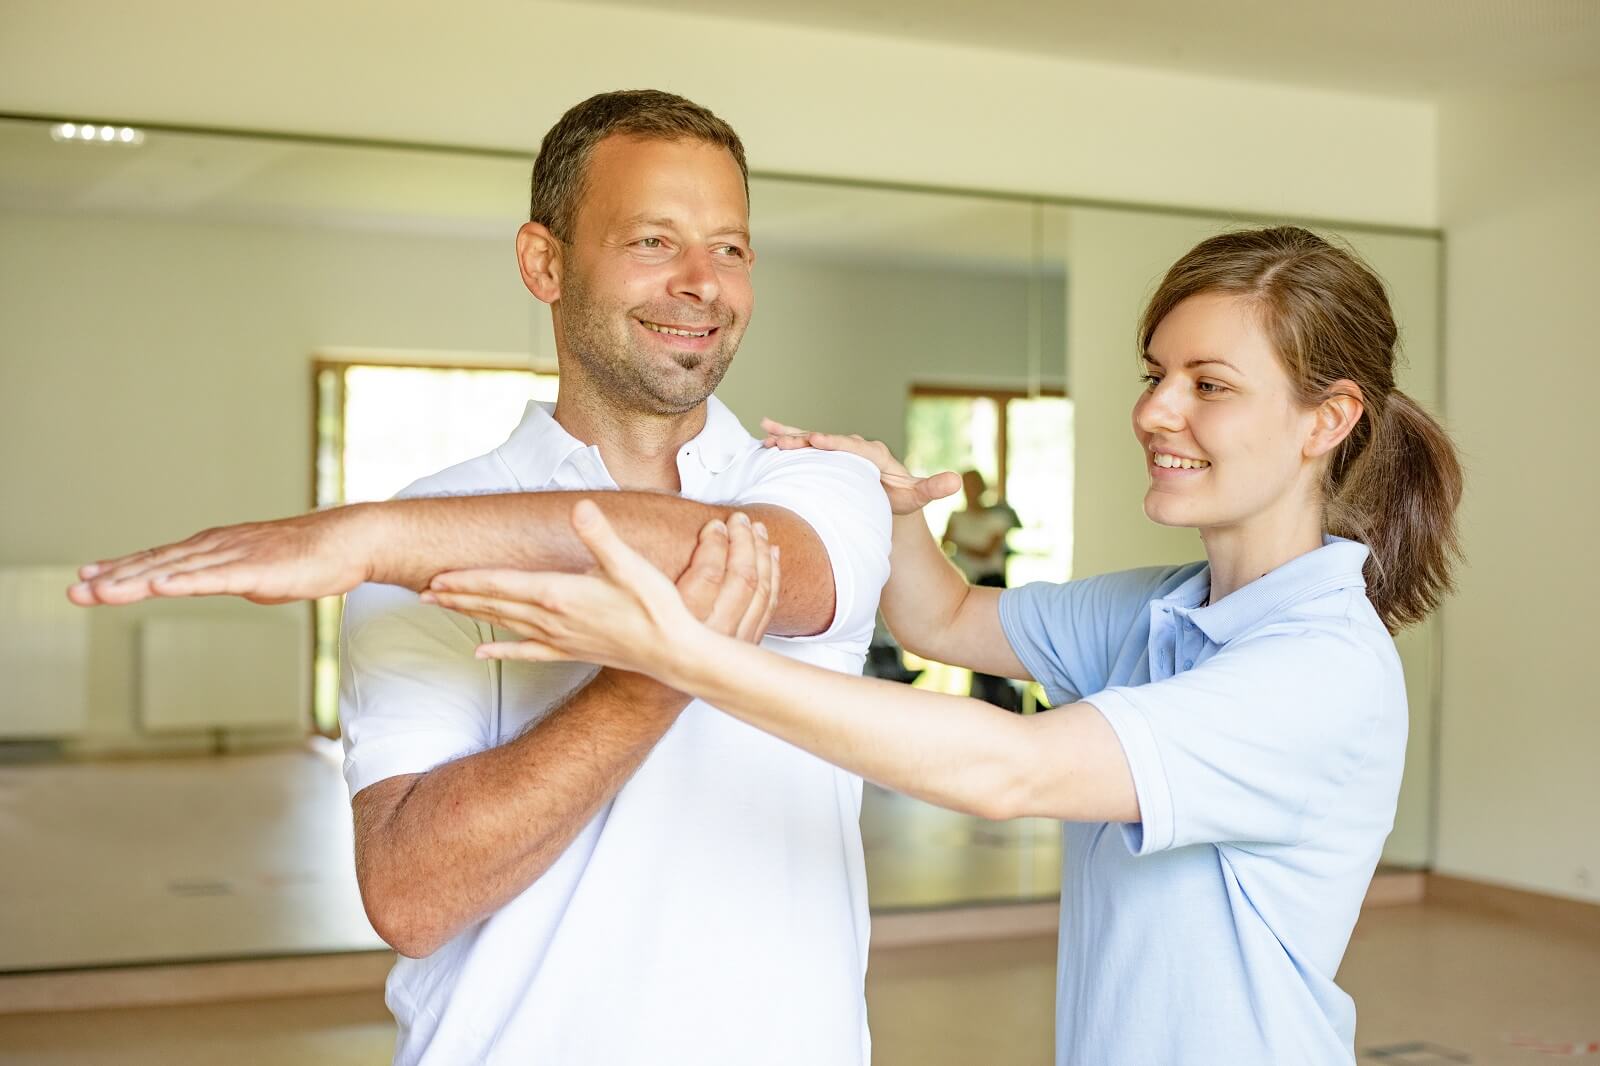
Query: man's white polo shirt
{"type": "Point", "coordinates": [715, 911]}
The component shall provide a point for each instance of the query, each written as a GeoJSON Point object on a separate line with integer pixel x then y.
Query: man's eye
{"type": "Point", "coordinates": [649, 242]}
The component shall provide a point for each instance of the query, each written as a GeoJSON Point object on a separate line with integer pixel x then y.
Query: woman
{"type": "Point", "coordinates": [1228, 737]}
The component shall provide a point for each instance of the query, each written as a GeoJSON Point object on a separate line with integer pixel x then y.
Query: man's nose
{"type": "Point", "coordinates": [696, 276]}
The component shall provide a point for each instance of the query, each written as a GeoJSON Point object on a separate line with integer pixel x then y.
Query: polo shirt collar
{"type": "Point", "coordinates": [1333, 567]}
{"type": "Point", "coordinates": [539, 446]}
{"type": "Point", "coordinates": [721, 441]}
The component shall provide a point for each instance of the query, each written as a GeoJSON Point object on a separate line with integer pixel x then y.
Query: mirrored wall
{"type": "Point", "coordinates": [200, 328]}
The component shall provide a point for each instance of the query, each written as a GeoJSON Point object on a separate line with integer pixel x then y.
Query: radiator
{"type": "Point", "coordinates": [44, 654]}
{"type": "Point", "coordinates": [248, 671]}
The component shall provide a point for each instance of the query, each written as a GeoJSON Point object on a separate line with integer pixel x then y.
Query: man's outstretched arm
{"type": "Point", "coordinates": [408, 542]}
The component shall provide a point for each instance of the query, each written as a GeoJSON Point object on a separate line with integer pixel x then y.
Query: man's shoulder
{"type": "Point", "coordinates": [480, 475]}
{"type": "Point", "coordinates": [759, 463]}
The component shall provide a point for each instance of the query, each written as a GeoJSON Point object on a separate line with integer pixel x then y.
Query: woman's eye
{"type": "Point", "coordinates": [1150, 380]}
{"type": "Point", "coordinates": [1210, 387]}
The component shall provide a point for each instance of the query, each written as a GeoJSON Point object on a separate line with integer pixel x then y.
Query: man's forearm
{"type": "Point", "coordinates": [467, 837]}
{"type": "Point", "coordinates": [414, 540]}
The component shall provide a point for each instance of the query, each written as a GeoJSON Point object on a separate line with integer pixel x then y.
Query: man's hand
{"type": "Point", "coordinates": [320, 554]}
{"type": "Point", "coordinates": [627, 614]}
{"type": "Point", "coordinates": [907, 493]}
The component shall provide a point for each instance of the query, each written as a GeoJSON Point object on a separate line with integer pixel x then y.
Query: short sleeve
{"type": "Point", "coordinates": [839, 496]}
{"type": "Point", "coordinates": [1246, 747]}
{"type": "Point", "coordinates": [1067, 634]}
{"type": "Point", "coordinates": [411, 693]}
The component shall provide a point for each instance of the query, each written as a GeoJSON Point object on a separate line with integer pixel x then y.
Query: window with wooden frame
{"type": "Point", "coordinates": [380, 426]}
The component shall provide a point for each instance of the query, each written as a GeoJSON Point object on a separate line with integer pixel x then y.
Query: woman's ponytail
{"type": "Point", "coordinates": [1398, 496]}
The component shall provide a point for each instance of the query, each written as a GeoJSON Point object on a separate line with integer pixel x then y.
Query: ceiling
{"type": "Point", "coordinates": [279, 181]}
{"type": "Point", "coordinates": [1422, 48]}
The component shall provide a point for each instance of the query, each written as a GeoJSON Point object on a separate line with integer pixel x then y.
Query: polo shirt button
{"type": "Point", "coordinates": [1188, 664]}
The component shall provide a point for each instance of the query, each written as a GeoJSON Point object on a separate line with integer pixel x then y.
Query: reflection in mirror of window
{"type": "Point", "coordinates": [379, 428]}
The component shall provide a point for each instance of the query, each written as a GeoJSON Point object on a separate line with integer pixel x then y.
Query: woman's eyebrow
{"type": "Point", "coordinates": [1191, 364]}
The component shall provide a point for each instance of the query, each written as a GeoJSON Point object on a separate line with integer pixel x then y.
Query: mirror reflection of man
{"type": "Point", "coordinates": [582, 866]}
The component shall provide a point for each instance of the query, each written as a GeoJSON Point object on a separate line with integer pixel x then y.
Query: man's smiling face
{"type": "Point", "coordinates": [655, 292]}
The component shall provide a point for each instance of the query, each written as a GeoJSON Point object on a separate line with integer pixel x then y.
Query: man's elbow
{"type": "Point", "coordinates": [401, 924]}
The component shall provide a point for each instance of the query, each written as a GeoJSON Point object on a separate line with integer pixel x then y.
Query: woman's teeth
{"type": "Point", "coordinates": [675, 332]}
{"type": "Point", "coordinates": [1176, 462]}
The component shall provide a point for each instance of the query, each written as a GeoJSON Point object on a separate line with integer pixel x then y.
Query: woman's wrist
{"type": "Point", "coordinates": [689, 660]}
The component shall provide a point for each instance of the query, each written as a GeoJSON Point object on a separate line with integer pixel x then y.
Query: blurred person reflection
{"type": "Point", "coordinates": [976, 538]}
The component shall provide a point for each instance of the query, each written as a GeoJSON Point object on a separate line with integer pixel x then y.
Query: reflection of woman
{"type": "Point", "coordinates": [976, 537]}
{"type": "Point", "coordinates": [976, 534]}
{"type": "Point", "coordinates": [1228, 748]}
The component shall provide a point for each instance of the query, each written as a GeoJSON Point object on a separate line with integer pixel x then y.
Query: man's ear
{"type": "Point", "coordinates": [539, 258]}
{"type": "Point", "coordinates": [1337, 416]}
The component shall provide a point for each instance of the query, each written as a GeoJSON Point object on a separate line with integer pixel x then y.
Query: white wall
{"type": "Point", "coordinates": [1115, 259]}
{"type": "Point", "coordinates": [496, 73]}
{"type": "Point", "coordinates": [155, 376]}
{"type": "Point", "coordinates": [1519, 789]}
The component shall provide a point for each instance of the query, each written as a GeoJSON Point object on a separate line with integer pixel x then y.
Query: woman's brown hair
{"type": "Point", "coordinates": [1394, 482]}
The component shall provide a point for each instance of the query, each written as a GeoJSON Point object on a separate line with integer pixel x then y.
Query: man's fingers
{"type": "Point", "coordinates": [234, 564]}
{"type": "Point", "coordinates": [108, 594]}
{"type": "Point", "coordinates": [138, 563]}
{"type": "Point", "coordinates": [228, 578]}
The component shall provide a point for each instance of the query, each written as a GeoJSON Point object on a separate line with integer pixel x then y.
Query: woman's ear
{"type": "Point", "coordinates": [1337, 416]}
{"type": "Point", "coordinates": [539, 258]}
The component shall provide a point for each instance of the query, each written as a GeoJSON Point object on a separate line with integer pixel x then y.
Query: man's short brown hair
{"type": "Point", "coordinates": [562, 166]}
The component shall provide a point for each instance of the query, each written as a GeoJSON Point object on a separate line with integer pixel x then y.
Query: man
{"type": "Point", "coordinates": [581, 866]}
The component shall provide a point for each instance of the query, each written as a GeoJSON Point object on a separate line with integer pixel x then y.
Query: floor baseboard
{"type": "Point", "coordinates": [167, 985]}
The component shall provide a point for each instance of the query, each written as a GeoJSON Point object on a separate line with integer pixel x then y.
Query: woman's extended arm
{"type": "Point", "coordinates": [931, 609]}
{"type": "Point", "coordinates": [958, 753]}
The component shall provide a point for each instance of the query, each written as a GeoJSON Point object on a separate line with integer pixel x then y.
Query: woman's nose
{"type": "Point", "coordinates": [1157, 411]}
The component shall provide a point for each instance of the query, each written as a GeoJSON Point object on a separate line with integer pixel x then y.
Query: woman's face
{"type": "Point", "coordinates": [1224, 438]}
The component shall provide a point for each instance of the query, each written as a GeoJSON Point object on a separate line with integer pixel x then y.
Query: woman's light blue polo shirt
{"type": "Point", "coordinates": [1266, 734]}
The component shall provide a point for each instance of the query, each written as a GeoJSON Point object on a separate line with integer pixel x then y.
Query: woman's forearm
{"type": "Point", "coordinates": [954, 752]}
{"type": "Point", "coordinates": [925, 590]}
{"type": "Point", "coordinates": [934, 613]}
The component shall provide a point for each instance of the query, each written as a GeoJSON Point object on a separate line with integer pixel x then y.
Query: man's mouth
{"type": "Point", "coordinates": [678, 331]}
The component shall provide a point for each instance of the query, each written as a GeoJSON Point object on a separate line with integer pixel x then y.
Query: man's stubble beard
{"type": "Point", "coordinates": [602, 341]}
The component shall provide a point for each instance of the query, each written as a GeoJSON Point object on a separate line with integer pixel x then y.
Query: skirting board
{"type": "Point", "coordinates": [174, 984]}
